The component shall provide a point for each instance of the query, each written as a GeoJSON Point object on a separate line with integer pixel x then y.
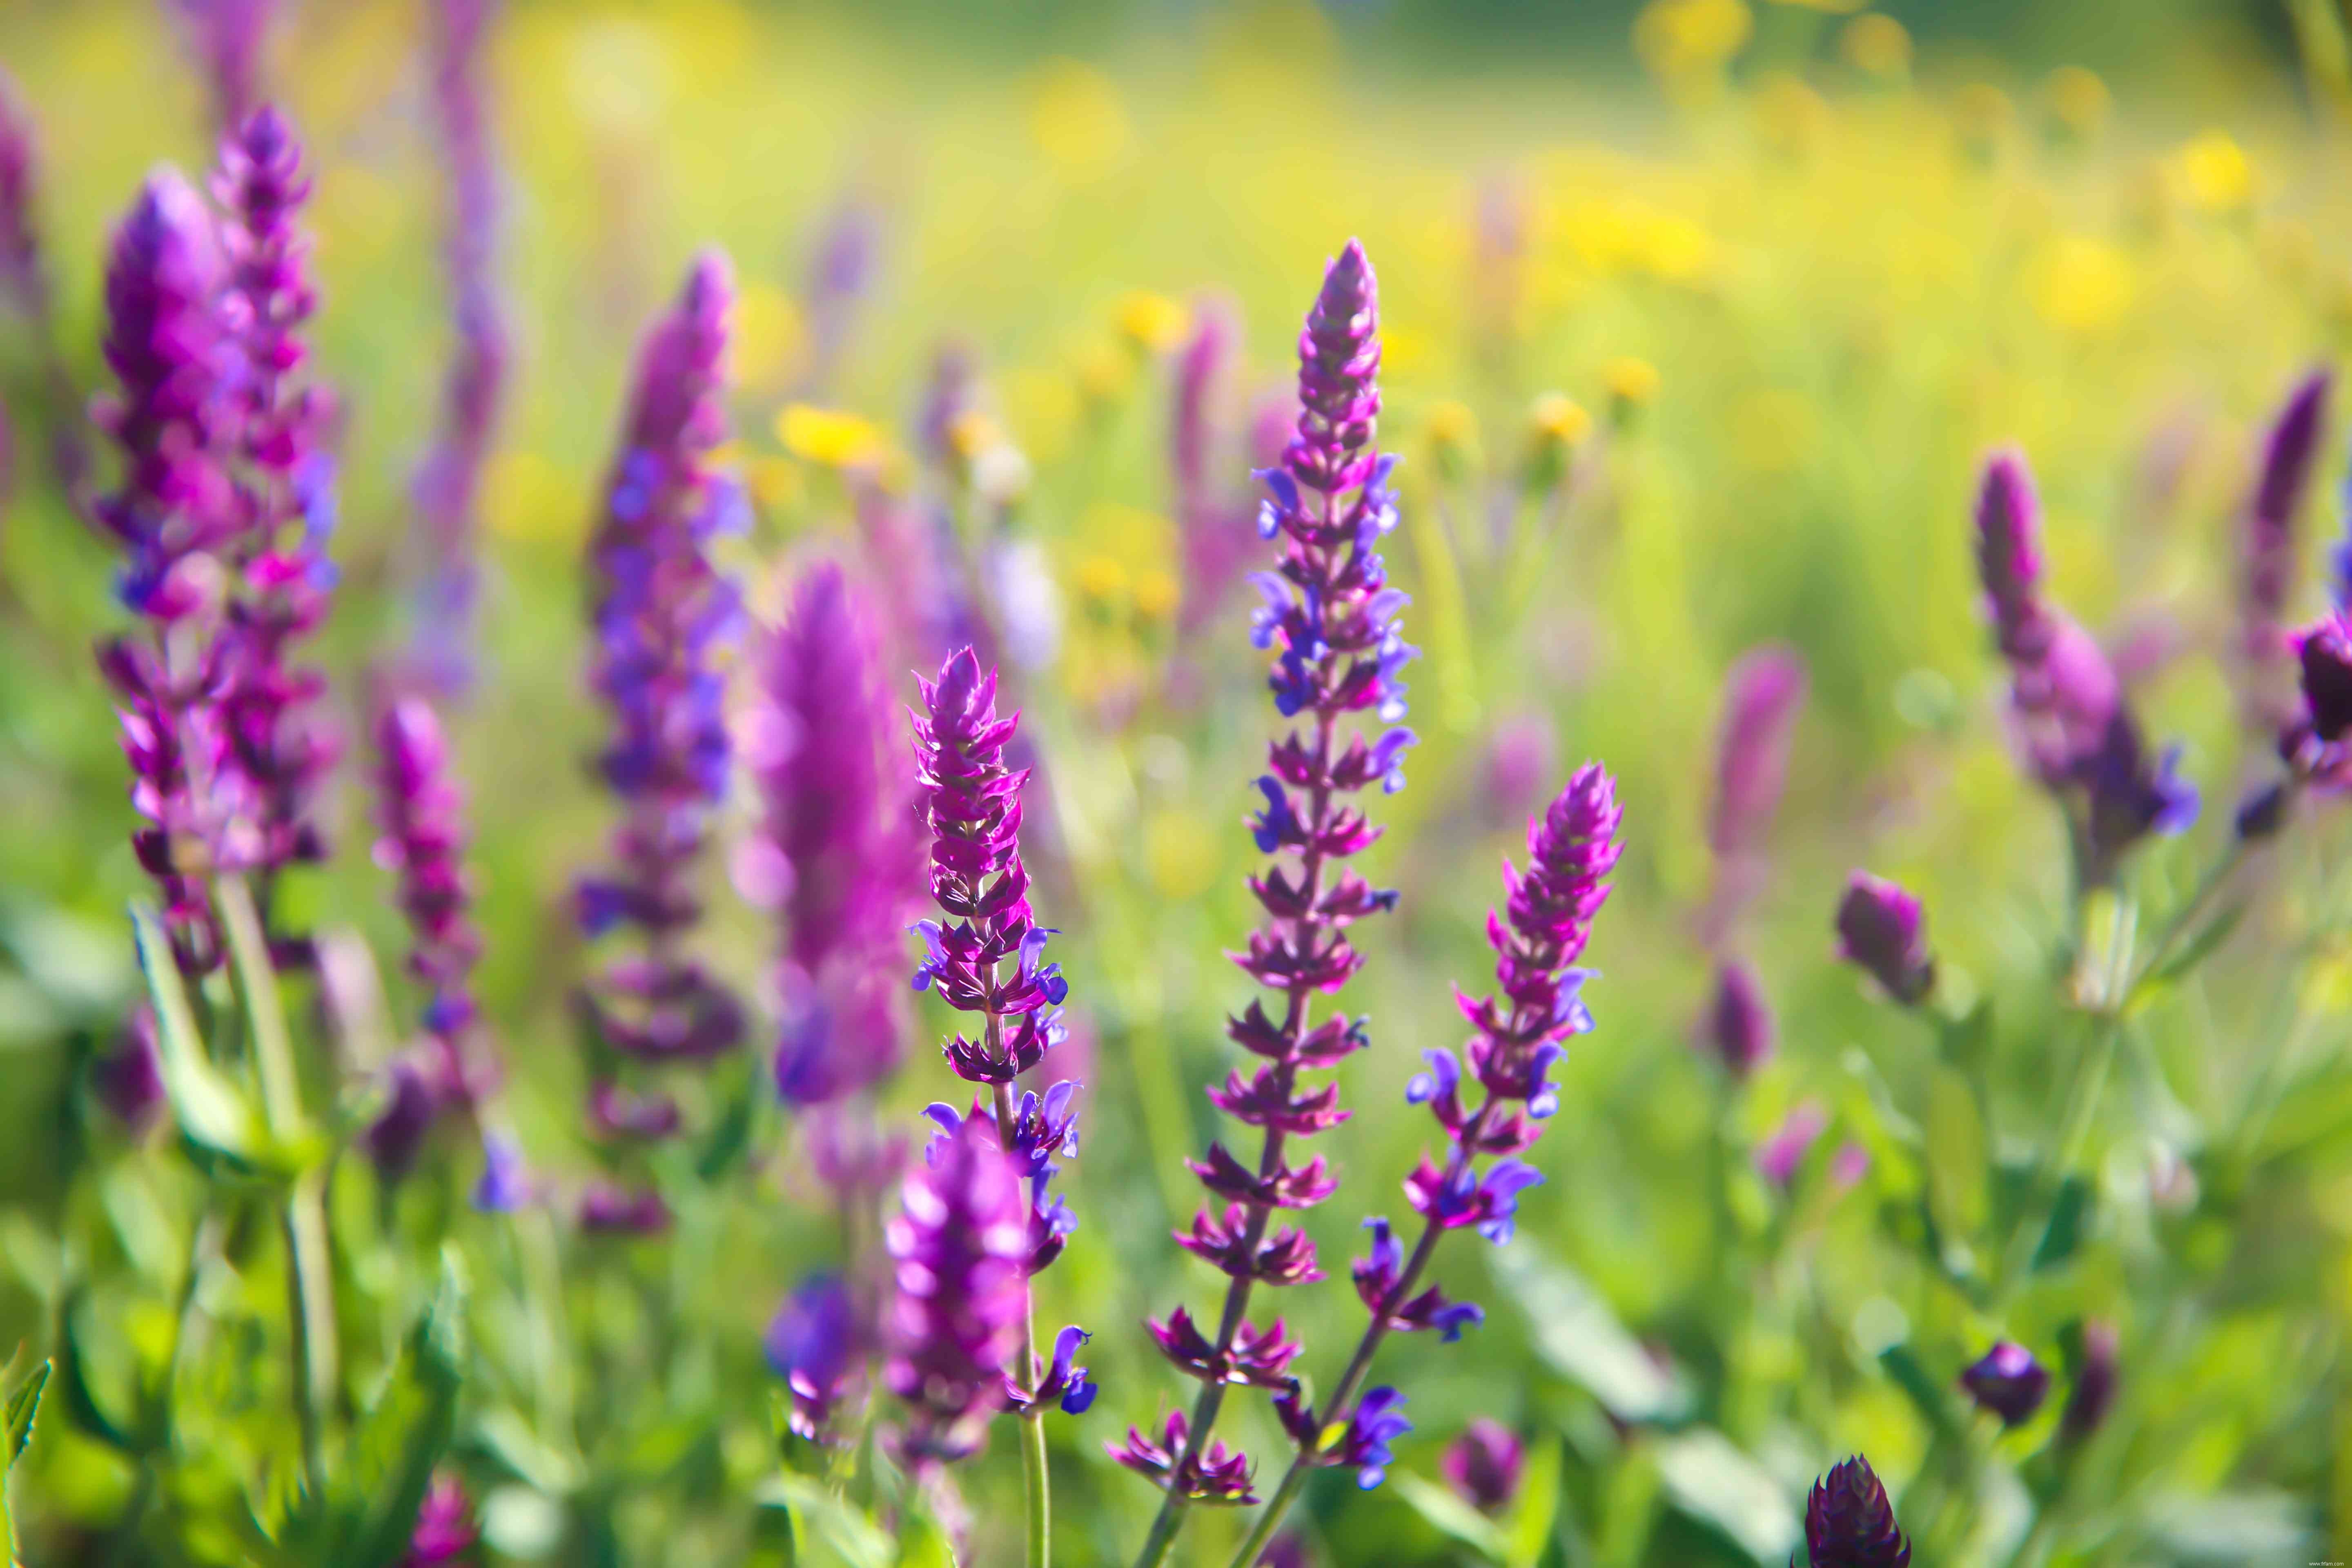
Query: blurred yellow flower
{"type": "Point", "coordinates": [1834, 8]}
{"type": "Point", "coordinates": [1101, 579]}
{"type": "Point", "coordinates": [2081, 284]}
{"type": "Point", "coordinates": [831, 439]}
{"type": "Point", "coordinates": [1077, 120]}
{"type": "Point", "coordinates": [1103, 371]}
{"type": "Point", "coordinates": [2215, 175]}
{"type": "Point", "coordinates": [1629, 381]}
{"type": "Point", "coordinates": [2078, 102]}
{"type": "Point", "coordinates": [768, 335]}
{"type": "Point", "coordinates": [1678, 250]}
{"type": "Point", "coordinates": [1043, 408]}
{"type": "Point", "coordinates": [1156, 594]}
{"type": "Point", "coordinates": [1557, 417]}
{"type": "Point", "coordinates": [1876, 46]}
{"type": "Point", "coordinates": [1152, 321]}
{"type": "Point", "coordinates": [1682, 40]}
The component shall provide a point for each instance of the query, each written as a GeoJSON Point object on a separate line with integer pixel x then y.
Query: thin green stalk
{"type": "Point", "coordinates": [311, 1287]}
{"type": "Point", "coordinates": [1254, 1544]}
{"type": "Point", "coordinates": [2050, 1173]}
{"type": "Point", "coordinates": [1035, 1483]}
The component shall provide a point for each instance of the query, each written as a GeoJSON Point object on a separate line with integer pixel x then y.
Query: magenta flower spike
{"type": "Point", "coordinates": [959, 1246]}
{"type": "Point", "coordinates": [1328, 618]}
{"type": "Point", "coordinates": [2079, 739]}
{"type": "Point", "coordinates": [2097, 1375]}
{"type": "Point", "coordinates": [1214, 530]}
{"type": "Point", "coordinates": [1849, 1523]}
{"type": "Point", "coordinates": [423, 845]}
{"type": "Point", "coordinates": [173, 509]}
{"type": "Point", "coordinates": [1737, 1029]}
{"type": "Point", "coordinates": [2008, 1382]}
{"type": "Point", "coordinates": [285, 496]}
{"type": "Point", "coordinates": [444, 1525]}
{"type": "Point", "coordinates": [448, 484]}
{"type": "Point", "coordinates": [24, 285]}
{"type": "Point", "coordinates": [835, 857]}
{"type": "Point", "coordinates": [663, 613]}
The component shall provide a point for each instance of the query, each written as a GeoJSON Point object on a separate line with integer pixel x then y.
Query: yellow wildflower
{"type": "Point", "coordinates": [1451, 424]}
{"type": "Point", "coordinates": [775, 484]}
{"type": "Point", "coordinates": [1791, 116]}
{"type": "Point", "coordinates": [1631, 382]}
{"type": "Point", "coordinates": [973, 432]}
{"type": "Point", "coordinates": [1834, 8]}
{"type": "Point", "coordinates": [831, 439]}
{"type": "Point", "coordinates": [1101, 579]}
{"type": "Point", "coordinates": [1153, 322]}
{"type": "Point", "coordinates": [1558, 417]}
{"type": "Point", "coordinates": [2080, 284]}
{"type": "Point", "coordinates": [1876, 46]}
{"type": "Point", "coordinates": [1103, 372]}
{"type": "Point", "coordinates": [2215, 175]}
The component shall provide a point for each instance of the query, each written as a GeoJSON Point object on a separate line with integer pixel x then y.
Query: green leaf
{"type": "Point", "coordinates": [924, 1543]}
{"type": "Point", "coordinates": [1714, 1482]}
{"type": "Point", "coordinates": [24, 1402]}
{"type": "Point", "coordinates": [1925, 1393]}
{"type": "Point", "coordinates": [2067, 1217]}
{"type": "Point", "coordinates": [731, 1137]}
{"type": "Point", "coordinates": [415, 1421]}
{"type": "Point", "coordinates": [1449, 1515]}
{"type": "Point", "coordinates": [2234, 1528]}
{"type": "Point", "coordinates": [1527, 1528]}
{"type": "Point", "coordinates": [213, 1117]}
{"type": "Point", "coordinates": [1959, 1163]}
{"type": "Point", "coordinates": [848, 1532]}
{"type": "Point", "coordinates": [82, 1407]}
{"type": "Point", "coordinates": [1576, 1333]}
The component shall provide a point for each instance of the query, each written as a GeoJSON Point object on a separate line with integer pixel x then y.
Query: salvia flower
{"type": "Point", "coordinates": [1882, 932]}
{"type": "Point", "coordinates": [2008, 1382]}
{"type": "Point", "coordinates": [1849, 1523]}
{"type": "Point", "coordinates": [423, 845]}
{"type": "Point", "coordinates": [1329, 621]}
{"type": "Point", "coordinates": [832, 858]}
{"type": "Point", "coordinates": [171, 510]}
{"type": "Point", "coordinates": [1737, 1029]}
{"type": "Point", "coordinates": [1483, 1464]}
{"type": "Point", "coordinates": [1363, 1446]}
{"type": "Point", "coordinates": [1778, 1157]}
{"type": "Point", "coordinates": [1216, 1473]}
{"type": "Point", "coordinates": [663, 615]}
{"type": "Point", "coordinates": [607, 1208]}
{"type": "Point", "coordinates": [959, 1246]}
{"type": "Point", "coordinates": [1762, 697]}
{"type": "Point", "coordinates": [1214, 530]}
{"type": "Point", "coordinates": [23, 276]}
{"type": "Point", "coordinates": [2096, 1373]}
{"type": "Point", "coordinates": [2267, 551]}
{"type": "Point", "coordinates": [444, 1525]}
{"type": "Point", "coordinates": [816, 1344]}
{"type": "Point", "coordinates": [2080, 738]}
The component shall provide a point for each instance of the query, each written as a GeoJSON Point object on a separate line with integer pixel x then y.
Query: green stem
{"type": "Point", "coordinates": [2051, 1173]}
{"type": "Point", "coordinates": [310, 1288]}
{"type": "Point", "coordinates": [1254, 1544]}
{"type": "Point", "coordinates": [1035, 1483]}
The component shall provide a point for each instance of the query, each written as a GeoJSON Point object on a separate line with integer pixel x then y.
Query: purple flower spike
{"type": "Point", "coordinates": [444, 1525]}
{"type": "Point", "coordinates": [22, 275]}
{"type": "Point", "coordinates": [2096, 1373]}
{"type": "Point", "coordinates": [2079, 739]}
{"type": "Point", "coordinates": [834, 856]}
{"type": "Point", "coordinates": [505, 1185]}
{"type": "Point", "coordinates": [816, 1343]}
{"type": "Point", "coordinates": [1881, 931]}
{"type": "Point", "coordinates": [1762, 697]}
{"type": "Point", "coordinates": [609, 1209]}
{"type": "Point", "coordinates": [2268, 550]}
{"type": "Point", "coordinates": [662, 616]}
{"type": "Point", "coordinates": [1849, 1523]}
{"type": "Point", "coordinates": [1483, 1465]}
{"type": "Point", "coordinates": [1379, 1421]}
{"type": "Point", "coordinates": [2008, 1382]}
{"type": "Point", "coordinates": [424, 845]}
{"type": "Point", "coordinates": [1065, 1383]}
{"type": "Point", "coordinates": [960, 1245]}
{"type": "Point", "coordinates": [1215, 528]}
{"type": "Point", "coordinates": [1217, 1475]}
{"type": "Point", "coordinates": [1737, 1030]}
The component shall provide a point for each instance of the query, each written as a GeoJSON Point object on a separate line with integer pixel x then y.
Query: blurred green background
{"type": "Point", "coordinates": [1795, 266]}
